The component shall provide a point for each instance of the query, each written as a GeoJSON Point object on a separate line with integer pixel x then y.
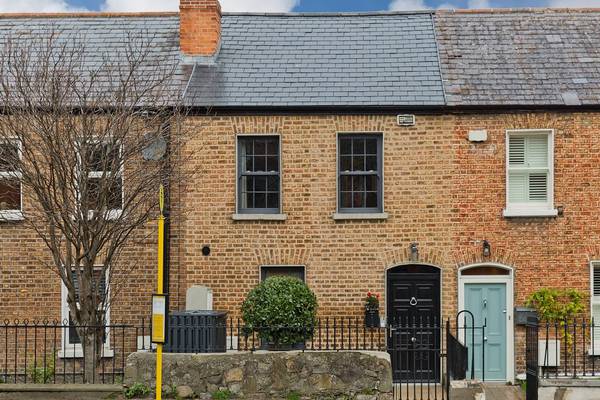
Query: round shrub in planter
{"type": "Point", "coordinates": [282, 311]}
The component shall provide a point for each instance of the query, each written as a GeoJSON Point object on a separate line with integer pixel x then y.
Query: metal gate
{"type": "Point", "coordinates": [531, 357]}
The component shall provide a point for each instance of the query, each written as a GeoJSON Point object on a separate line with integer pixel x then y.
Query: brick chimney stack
{"type": "Point", "coordinates": [199, 27]}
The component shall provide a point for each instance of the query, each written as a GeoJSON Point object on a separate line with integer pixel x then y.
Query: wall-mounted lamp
{"type": "Point", "coordinates": [414, 252]}
{"type": "Point", "coordinates": [487, 249]}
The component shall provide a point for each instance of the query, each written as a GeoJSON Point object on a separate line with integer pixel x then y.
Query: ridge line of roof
{"type": "Point", "coordinates": [91, 14]}
{"type": "Point", "coordinates": [329, 14]}
{"type": "Point", "coordinates": [534, 10]}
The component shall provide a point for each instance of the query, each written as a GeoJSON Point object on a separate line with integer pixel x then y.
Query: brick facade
{"type": "Point", "coordinates": [440, 190]}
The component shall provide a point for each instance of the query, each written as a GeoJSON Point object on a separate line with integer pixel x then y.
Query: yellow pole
{"type": "Point", "coordinates": [159, 286]}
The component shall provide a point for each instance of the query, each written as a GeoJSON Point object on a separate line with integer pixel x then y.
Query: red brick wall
{"type": "Point", "coordinates": [200, 27]}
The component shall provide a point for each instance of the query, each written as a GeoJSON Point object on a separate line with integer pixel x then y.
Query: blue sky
{"type": "Point", "coordinates": [279, 5]}
{"type": "Point", "coordinates": [357, 5]}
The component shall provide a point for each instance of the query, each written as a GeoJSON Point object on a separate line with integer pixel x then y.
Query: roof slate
{"type": "Point", "coordinates": [103, 39]}
{"type": "Point", "coordinates": [290, 60]}
{"type": "Point", "coordinates": [520, 57]}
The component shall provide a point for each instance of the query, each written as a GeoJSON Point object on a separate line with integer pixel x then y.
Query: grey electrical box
{"type": "Point", "coordinates": [522, 313]}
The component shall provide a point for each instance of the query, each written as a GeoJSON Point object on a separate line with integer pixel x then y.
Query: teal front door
{"type": "Point", "coordinates": [487, 302]}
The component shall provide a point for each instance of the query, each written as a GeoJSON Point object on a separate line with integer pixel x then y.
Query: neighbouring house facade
{"type": "Point", "coordinates": [307, 162]}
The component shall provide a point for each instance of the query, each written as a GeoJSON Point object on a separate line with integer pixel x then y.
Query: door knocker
{"type": "Point", "coordinates": [413, 301]}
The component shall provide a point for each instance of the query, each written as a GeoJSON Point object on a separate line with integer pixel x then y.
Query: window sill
{"type": "Point", "coordinates": [77, 352]}
{"type": "Point", "coordinates": [12, 215]}
{"type": "Point", "coordinates": [259, 217]}
{"type": "Point", "coordinates": [360, 216]}
{"type": "Point", "coordinates": [542, 212]}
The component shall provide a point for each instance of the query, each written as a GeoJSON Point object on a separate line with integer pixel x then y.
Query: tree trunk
{"type": "Point", "coordinates": [92, 343]}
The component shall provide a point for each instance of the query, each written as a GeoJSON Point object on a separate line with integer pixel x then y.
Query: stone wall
{"type": "Point", "coordinates": [258, 375]}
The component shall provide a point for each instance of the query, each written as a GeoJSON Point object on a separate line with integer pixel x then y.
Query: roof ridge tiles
{"type": "Point", "coordinates": [534, 10]}
{"type": "Point", "coordinates": [329, 14]}
{"type": "Point", "coordinates": [91, 14]}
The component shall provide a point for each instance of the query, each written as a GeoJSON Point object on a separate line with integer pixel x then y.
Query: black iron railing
{"type": "Point", "coordinates": [52, 351]}
{"type": "Point", "coordinates": [567, 348]}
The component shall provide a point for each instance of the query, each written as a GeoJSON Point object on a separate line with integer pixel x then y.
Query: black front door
{"type": "Point", "coordinates": [413, 312]}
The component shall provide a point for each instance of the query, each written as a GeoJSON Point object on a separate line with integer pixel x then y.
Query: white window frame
{"type": "Point", "coordinates": [75, 350]}
{"type": "Point", "coordinates": [526, 209]}
{"type": "Point", "coordinates": [114, 213]}
{"type": "Point", "coordinates": [594, 346]}
{"type": "Point", "coordinates": [13, 215]}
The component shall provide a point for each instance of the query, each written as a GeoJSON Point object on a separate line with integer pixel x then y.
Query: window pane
{"type": "Point", "coordinates": [346, 199]}
{"type": "Point", "coordinates": [272, 164]}
{"type": "Point", "coordinates": [371, 163]}
{"type": "Point", "coordinates": [249, 165]}
{"type": "Point", "coordinates": [358, 163]}
{"type": "Point", "coordinates": [260, 200]}
{"type": "Point", "coordinates": [296, 272]}
{"type": "Point", "coordinates": [273, 183]}
{"type": "Point", "coordinates": [371, 183]}
{"type": "Point", "coordinates": [371, 201]}
{"type": "Point", "coordinates": [358, 183]}
{"type": "Point", "coordinates": [115, 201]}
{"type": "Point", "coordinates": [517, 187]}
{"type": "Point", "coordinates": [249, 200]}
{"type": "Point", "coordinates": [345, 163]}
{"type": "Point", "coordinates": [105, 194]}
{"type": "Point", "coordinates": [10, 194]}
{"type": "Point", "coordinates": [345, 146]}
{"type": "Point", "coordinates": [272, 147]}
{"type": "Point", "coordinates": [345, 183]}
{"type": "Point", "coordinates": [260, 147]}
{"type": "Point", "coordinates": [247, 183]}
{"type": "Point", "coordinates": [8, 151]}
{"type": "Point", "coordinates": [103, 157]}
{"type": "Point", "coordinates": [260, 183]}
{"type": "Point", "coordinates": [358, 146]}
{"type": "Point", "coordinates": [273, 200]}
{"type": "Point", "coordinates": [371, 146]}
{"type": "Point", "coordinates": [260, 164]}
{"type": "Point", "coordinates": [358, 199]}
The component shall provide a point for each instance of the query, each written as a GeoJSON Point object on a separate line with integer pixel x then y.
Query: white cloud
{"type": "Point", "coordinates": [478, 4]}
{"type": "Point", "coordinates": [37, 6]}
{"type": "Point", "coordinates": [446, 6]}
{"type": "Point", "coordinates": [173, 5]}
{"type": "Point", "coordinates": [408, 5]}
{"type": "Point", "coordinates": [573, 3]}
{"type": "Point", "coordinates": [140, 5]}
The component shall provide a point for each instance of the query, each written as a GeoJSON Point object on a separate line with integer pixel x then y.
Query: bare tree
{"type": "Point", "coordinates": [82, 138]}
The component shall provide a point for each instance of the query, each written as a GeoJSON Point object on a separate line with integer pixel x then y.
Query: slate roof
{"type": "Point", "coordinates": [291, 60]}
{"type": "Point", "coordinates": [520, 57]}
{"type": "Point", "coordinates": [103, 38]}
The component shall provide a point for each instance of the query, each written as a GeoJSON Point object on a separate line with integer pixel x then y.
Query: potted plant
{"type": "Point", "coordinates": [282, 312]}
{"type": "Point", "coordinates": [372, 310]}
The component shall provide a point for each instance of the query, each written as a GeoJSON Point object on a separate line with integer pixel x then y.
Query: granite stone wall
{"type": "Point", "coordinates": [270, 375]}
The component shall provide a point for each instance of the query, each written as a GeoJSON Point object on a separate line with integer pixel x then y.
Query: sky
{"type": "Point", "coordinates": [279, 5]}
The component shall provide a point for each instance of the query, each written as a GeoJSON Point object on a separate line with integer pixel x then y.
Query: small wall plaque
{"type": "Point", "coordinates": [406, 119]}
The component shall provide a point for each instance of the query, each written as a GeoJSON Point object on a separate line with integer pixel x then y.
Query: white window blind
{"type": "Point", "coordinates": [596, 309]}
{"type": "Point", "coordinates": [529, 170]}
